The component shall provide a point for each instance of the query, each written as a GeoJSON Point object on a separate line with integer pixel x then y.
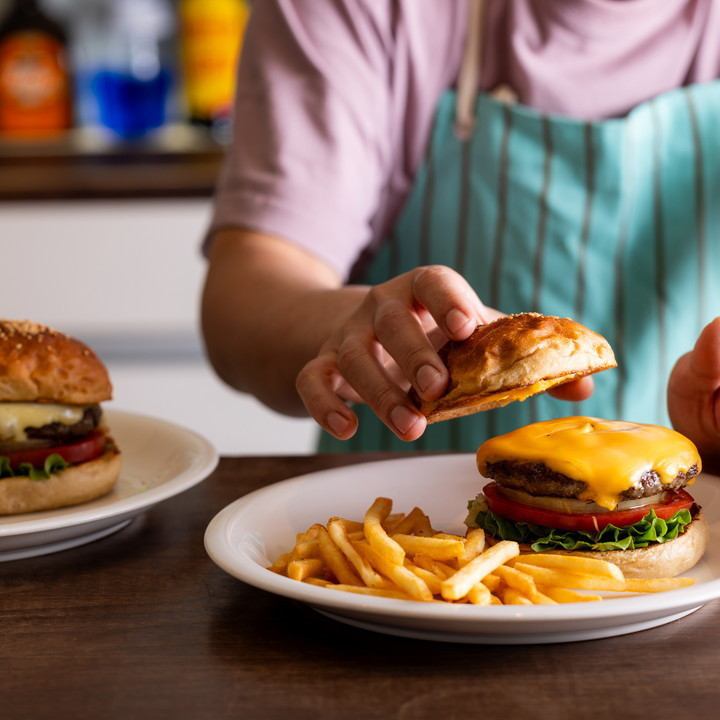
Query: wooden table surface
{"type": "Point", "coordinates": [143, 625]}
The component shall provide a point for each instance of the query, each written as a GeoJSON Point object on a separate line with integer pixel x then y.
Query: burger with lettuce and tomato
{"type": "Point", "coordinates": [54, 447]}
{"type": "Point", "coordinates": [609, 489]}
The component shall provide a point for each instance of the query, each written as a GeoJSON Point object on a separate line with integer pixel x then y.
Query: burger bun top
{"type": "Point", "coordinates": [41, 365]}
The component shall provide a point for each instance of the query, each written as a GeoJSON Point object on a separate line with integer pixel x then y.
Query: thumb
{"type": "Point", "coordinates": [704, 360]}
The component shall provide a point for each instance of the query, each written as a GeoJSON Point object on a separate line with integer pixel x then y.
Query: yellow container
{"type": "Point", "coordinates": [212, 33]}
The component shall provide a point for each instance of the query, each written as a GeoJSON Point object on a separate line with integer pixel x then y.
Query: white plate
{"type": "Point", "coordinates": [246, 535]}
{"type": "Point", "coordinates": [160, 460]}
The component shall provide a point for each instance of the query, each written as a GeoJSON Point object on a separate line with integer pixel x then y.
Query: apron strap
{"type": "Point", "coordinates": [469, 77]}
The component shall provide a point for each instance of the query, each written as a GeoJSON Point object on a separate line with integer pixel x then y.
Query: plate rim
{"type": "Point", "coordinates": [81, 514]}
{"type": "Point", "coordinates": [255, 575]}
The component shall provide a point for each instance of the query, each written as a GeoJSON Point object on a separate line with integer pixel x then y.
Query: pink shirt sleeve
{"type": "Point", "coordinates": [310, 152]}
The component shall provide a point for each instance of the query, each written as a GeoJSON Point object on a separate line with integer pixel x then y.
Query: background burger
{"type": "Point", "coordinates": [54, 448]}
{"type": "Point", "coordinates": [608, 489]}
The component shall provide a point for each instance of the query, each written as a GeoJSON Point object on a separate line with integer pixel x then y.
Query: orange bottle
{"type": "Point", "coordinates": [35, 96]}
{"type": "Point", "coordinates": [212, 34]}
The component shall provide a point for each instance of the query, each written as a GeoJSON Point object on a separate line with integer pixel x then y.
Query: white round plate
{"type": "Point", "coordinates": [159, 460]}
{"type": "Point", "coordinates": [244, 537]}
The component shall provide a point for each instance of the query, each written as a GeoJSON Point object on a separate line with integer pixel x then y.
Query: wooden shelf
{"type": "Point", "coordinates": [180, 161]}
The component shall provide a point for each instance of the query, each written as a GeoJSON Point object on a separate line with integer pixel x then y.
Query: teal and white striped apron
{"type": "Point", "coordinates": [614, 223]}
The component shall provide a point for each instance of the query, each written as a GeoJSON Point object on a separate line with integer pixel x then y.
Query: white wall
{"type": "Point", "coordinates": [126, 277]}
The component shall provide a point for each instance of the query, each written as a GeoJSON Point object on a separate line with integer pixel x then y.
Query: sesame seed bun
{"type": "Point", "coordinates": [513, 358]}
{"type": "Point", "coordinates": [38, 364]}
{"type": "Point", "coordinates": [72, 486]}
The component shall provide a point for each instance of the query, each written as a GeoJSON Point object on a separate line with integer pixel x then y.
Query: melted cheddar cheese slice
{"type": "Point", "coordinates": [609, 456]}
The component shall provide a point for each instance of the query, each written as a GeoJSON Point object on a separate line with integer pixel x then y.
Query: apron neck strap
{"type": "Point", "coordinates": [469, 77]}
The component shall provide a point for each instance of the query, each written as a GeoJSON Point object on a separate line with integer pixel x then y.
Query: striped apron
{"type": "Point", "coordinates": [615, 223]}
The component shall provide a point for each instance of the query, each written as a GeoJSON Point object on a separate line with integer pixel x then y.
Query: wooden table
{"type": "Point", "coordinates": [143, 625]}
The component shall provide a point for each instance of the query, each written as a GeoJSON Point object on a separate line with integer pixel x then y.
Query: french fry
{"type": "Point", "coordinates": [511, 596]}
{"type": "Point", "coordinates": [402, 577]}
{"type": "Point", "coordinates": [280, 565]}
{"type": "Point", "coordinates": [563, 595]}
{"type": "Point", "coordinates": [350, 525]}
{"type": "Point", "coordinates": [375, 534]}
{"type": "Point", "coordinates": [433, 547]}
{"type": "Point", "coordinates": [336, 561]}
{"type": "Point", "coordinates": [391, 521]}
{"type": "Point", "coordinates": [495, 600]}
{"type": "Point", "coordinates": [423, 526]}
{"type": "Point", "coordinates": [409, 522]}
{"type": "Point", "coordinates": [653, 585]}
{"type": "Point", "coordinates": [492, 582]}
{"type": "Point", "coordinates": [573, 564]}
{"type": "Point", "coordinates": [459, 584]}
{"type": "Point", "coordinates": [474, 545]}
{"type": "Point", "coordinates": [556, 578]}
{"type": "Point", "coordinates": [356, 535]}
{"type": "Point", "coordinates": [306, 549]}
{"type": "Point", "coordinates": [301, 569]}
{"type": "Point", "coordinates": [431, 580]}
{"type": "Point", "coordinates": [338, 534]}
{"type": "Point", "coordinates": [518, 580]}
{"type": "Point", "coordinates": [449, 536]}
{"type": "Point", "coordinates": [376, 592]}
{"type": "Point", "coordinates": [440, 569]}
{"type": "Point", "coordinates": [540, 598]}
{"type": "Point", "coordinates": [317, 581]}
{"type": "Point", "coordinates": [479, 594]}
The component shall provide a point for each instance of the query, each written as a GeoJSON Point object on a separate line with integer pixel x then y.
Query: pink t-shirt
{"type": "Point", "coordinates": [336, 98]}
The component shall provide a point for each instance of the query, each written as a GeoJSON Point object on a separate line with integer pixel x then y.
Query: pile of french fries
{"type": "Point", "coordinates": [401, 556]}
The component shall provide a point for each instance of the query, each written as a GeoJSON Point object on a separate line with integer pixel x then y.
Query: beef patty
{"type": "Point", "coordinates": [58, 433]}
{"type": "Point", "coordinates": [538, 479]}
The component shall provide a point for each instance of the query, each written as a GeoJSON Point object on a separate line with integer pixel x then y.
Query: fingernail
{"type": "Point", "coordinates": [456, 321]}
{"type": "Point", "coordinates": [427, 377]}
{"type": "Point", "coordinates": [338, 423]}
{"type": "Point", "coordinates": [403, 419]}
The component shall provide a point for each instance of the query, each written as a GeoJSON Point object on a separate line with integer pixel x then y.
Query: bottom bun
{"type": "Point", "coordinates": [455, 406]}
{"type": "Point", "coordinates": [72, 486]}
{"type": "Point", "coordinates": [657, 560]}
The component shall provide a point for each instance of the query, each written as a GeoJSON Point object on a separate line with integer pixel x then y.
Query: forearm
{"type": "Point", "coordinates": [267, 309]}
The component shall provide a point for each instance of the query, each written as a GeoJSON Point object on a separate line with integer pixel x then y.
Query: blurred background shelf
{"type": "Point", "coordinates": [178, 162]}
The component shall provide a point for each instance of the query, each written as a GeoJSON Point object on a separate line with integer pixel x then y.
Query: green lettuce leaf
{"type": "Point", "coordinates": [651, 529]}
{"type": "Point", "coordinates": [53, 463]}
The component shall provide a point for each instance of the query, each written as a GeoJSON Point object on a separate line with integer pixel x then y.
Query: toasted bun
{"type": "Point", "coordinates": [76, 484]}
{"type": "Point", "coordinates": [658, 560]}
{"type": "Point", "coordinates": [514, 358]}
{"type": "Point", "coordinates": [38, 364]}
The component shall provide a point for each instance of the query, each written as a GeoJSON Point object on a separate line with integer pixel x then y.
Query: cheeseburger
{"type": "Point", "coordinates": [603, 488]}
{"type": "Point", "coordinates": [54, 448]}
{"type": "Point", "coordinates": [512, 359]}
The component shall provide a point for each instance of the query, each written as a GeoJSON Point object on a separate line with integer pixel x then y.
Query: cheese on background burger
{"type": "Point", "coordinates": [54, 449]}
{"type": "Point", "coordinates": [514, 358]}
{"type": "Point", "coordinates": [601, 488]}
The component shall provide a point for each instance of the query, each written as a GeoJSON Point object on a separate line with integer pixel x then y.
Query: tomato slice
{"type": "Point", "coordinates": [587, 522]}
{"type": "Point", "coordinates": [88, 448]}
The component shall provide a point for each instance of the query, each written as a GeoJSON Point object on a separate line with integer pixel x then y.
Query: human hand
{"type": "Point", "coordinates": [694, 392]}
{"type": "Point", "coordinates": [388, 344]}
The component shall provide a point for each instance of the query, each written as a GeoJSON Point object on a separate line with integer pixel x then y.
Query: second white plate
{"type": "Point", "coordinates": [245, 536]}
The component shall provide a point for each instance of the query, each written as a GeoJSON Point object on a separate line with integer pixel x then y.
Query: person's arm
{"type": "Point", "coordinates": [267, 308]}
